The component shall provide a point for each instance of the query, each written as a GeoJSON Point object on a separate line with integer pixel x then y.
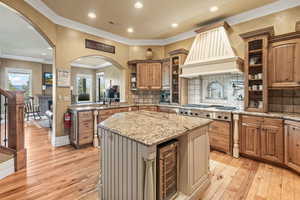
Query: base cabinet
{"type": "Point", "coordinates": [262, 138]}
{"type": "Point", "coordinates": [220, 137]}
{"type": "Point", "coordinates": [292, 145]}
{"type": "Point", "coordinates": [250, 139]}
{"type": "Point", "coordinates": [272, 143]}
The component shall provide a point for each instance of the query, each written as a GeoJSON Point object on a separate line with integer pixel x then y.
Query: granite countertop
{"type": "Point", "coordinates": [152, 128]}
{"type": "Point", "coordinates": [285, 116]}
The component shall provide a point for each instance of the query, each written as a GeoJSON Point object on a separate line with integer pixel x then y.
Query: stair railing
{"type": "Point", "coordinates": [12, 126]}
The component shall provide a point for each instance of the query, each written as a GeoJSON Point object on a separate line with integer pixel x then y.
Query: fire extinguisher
{"type": "Point", "coordinates": [67, 120]}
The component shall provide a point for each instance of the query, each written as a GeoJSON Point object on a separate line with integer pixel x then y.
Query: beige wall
{"type": "Point", "coordinates": [139, 52]}
{"type": "Point", "coordinates": [36, 73]}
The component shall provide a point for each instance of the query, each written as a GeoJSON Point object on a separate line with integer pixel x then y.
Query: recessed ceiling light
{"type": "Point", "coordinates": [174, 25]}
{"type": "Point", "coordinates": [79, 59]}
{"type": "Point", "coordinates": [130, 30]}
{"type": "Point", "coordinates": [49, 48]}
{"type": "Point", "coordinates": [43, 54]}
{"type": "Point", "coordinates": [92, 15]}
{"type": "Point", "coordinates": [214, 9]}
{"type": "Point", "coordinates": [138, 5]}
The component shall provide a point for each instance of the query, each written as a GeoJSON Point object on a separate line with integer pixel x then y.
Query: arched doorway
{"type": "Point", "coordinates": [94, 78]}
{"type": "Point", "coordinates": [26, 64]}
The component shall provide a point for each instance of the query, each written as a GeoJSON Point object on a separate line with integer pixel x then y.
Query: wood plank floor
{"type": "Point", "coordinates": [69, 174]}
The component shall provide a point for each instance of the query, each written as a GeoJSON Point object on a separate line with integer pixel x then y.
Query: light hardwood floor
{"type": "Point", "coordinates": [69, 174]}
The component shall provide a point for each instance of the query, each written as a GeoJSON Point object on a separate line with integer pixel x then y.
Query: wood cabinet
{"type": "Point", "coordinates": [219, 136]}
{"type": "Point", "coordinates": [149, 76]}
{"type": "Point", "coordinates": [292, 145]}
{"type": "Point", "coordinates": [148, 108]}
{"type": "Point", "coordinates": [82, 130]}
{"type": "Point", "coordinates": [250, 139]}
{"type": "Point", "coordinates": [167, 170]}
{"type": "Point", "coordinates": [262, 138]}
{"type": "Point", "coordinates": [284, 60]}
{"type": "Point", "coordinates": [256, 65]}
{"type": "Point", "coordinates": [272, 143]}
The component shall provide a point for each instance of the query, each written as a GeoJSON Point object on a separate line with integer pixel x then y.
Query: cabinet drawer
{"type": "Point", "coordinates": [86, 126]}
{"type": "Point", "coordinates": [105, 112]}
{"type": "Point", "coordinates": [123, 109]}
{"type": "Point", "coordinates": [252, 120]}
{"type": "Point", "coordinates": [148, 108]}
{"type": "Point", "coordinates": [273, 122]}
{"type": "Point", "coordinates": [85, 116]}
{"type": "Point", "coordinates": [86, 139]}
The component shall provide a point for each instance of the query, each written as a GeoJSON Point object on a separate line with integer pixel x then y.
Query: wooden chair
{"type": "Point", "coordinates": [31, 109]}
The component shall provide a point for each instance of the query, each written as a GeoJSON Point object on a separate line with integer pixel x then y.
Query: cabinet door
{"type": "Point", "coordinates": [155, 75]}
{"type": "Point", "coordinates": [292, 146]}
{"type": "Point", "coordinates": [272, 143]}
{"type": "Point", "coordinates": [197, 158]}
{"type": "Point", "coordinates": [284, 61]}
{"type": "Point", "coordinates": [142, 75]}
{"type": "Point", "coordinates": [219, 136]}
{"type": "Point", "coordinates": [250, 139]}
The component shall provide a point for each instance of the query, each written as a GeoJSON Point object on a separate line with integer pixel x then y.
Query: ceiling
{"type": "Point", "coordinates": [154, 20]}
{"type": "Point", "coordinates": [91, 62]}
{"type": "Point", "coordinates": [18, 39]}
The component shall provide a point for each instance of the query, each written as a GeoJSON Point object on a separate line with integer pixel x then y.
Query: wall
{"type": "Point", "coordinates": [36, 73]}
{"type": "Point", "coordinates": [139, 52]}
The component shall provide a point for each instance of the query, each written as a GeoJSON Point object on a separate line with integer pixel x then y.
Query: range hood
{"type": "Point", "coordinates": [211, 53]}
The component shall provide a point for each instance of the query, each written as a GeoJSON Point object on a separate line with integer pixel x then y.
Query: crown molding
{"type": "Point", "coordinates": [25, 58]}
{"type": "Point", "coordinates": [277, 6]}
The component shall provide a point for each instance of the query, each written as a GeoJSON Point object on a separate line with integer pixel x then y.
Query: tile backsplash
{"type": "Point", "coordinates": [287, 101]}
{"type": "Point", "coordinates": [146, 97]}
{"type": "Point", "coordinates": [225, 89]}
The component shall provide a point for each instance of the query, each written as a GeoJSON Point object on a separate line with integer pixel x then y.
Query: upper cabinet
{"type": "Point", "coordinates": [146, 75]}
{"type": "Point", "coordinates": [284, 60]}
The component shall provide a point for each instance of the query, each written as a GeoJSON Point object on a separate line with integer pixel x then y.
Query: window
{"type": "Point", "coordinates": [84, 87]}
{"type": "Point", "coordinates": [19, 80]}
{"type": "Point", "coordinates": [100, 87]}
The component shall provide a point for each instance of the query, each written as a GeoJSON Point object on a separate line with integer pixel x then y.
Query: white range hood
{"type": "Point", "coordinates": [211, 53]}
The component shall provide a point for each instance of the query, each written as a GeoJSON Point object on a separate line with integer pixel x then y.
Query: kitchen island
{"type": "Point", "coordinates": [131, 166]}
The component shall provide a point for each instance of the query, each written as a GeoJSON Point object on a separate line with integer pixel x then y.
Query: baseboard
{"type": "Point", "coordinates": [7, 168]}
{"type": "Point", "coordinates": [60, 141]}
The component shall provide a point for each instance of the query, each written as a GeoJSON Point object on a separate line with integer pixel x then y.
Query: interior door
{"type": "Point", "coordinates": [272, 143]}
{"type": "Point", "coordinates": [250, 139]}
